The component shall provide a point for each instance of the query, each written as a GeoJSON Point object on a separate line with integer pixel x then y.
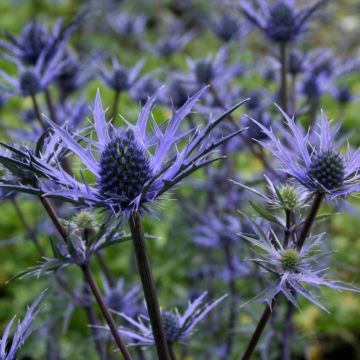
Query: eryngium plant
{"type": "Point", "coordinates": [133, 168]}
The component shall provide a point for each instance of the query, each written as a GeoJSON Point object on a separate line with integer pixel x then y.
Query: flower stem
{"type": "Point", "coordinates": [108, 318]}
{"type": "Point", "coordinates": [50, 105]}
{"type": "Point", "coordinates": [94, 322]}
{"type": "Point", "coordinates": [91, 281]}
{"type": "Point", "coordinates": [148, 285]}
{"type": "Point", "coordinates": [267, 312]}
{"type": "Point", "coordinates": [232, 302]}
{"type": "Point", "coordinates": [287, 333]}
{"type": "Point", "coordinates": [309, 220]}
{"type": "Point", "coordinates": [287, 232]}
{"type": "Point", "coordinates": [115, 104]}
{"type": "Point", "coordinates": [38, 113]}
{"type": "Point", "coordinates": [258, 331]}
{"type": "Point", "coordinates": [171, 352]}
{"type": "Point", "coordinates": [284, 90]}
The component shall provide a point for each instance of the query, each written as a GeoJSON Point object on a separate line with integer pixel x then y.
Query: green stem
{"type": "Point", "coordinates": [38, 113]}
{"type": "Point", "coordinates": [171, 352]}
{"type": "Point", "coordinates": [50, 105]}
{"type": "Point", "coordinates": [148, 285]}
{"type": "Point", "coordinates": [108, 318]}
{"type": "Point", "coordinates": [115, 105]}
{"type": "Point", "coordinates": [309, 220]}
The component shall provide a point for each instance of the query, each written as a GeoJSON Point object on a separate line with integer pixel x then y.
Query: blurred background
{"type": "Point", "coordinates": [180, 265]}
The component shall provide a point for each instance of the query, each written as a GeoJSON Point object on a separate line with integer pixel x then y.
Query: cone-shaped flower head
{"type": "Point", "coordinates": [315, 161]}
{"type": "Point", "coordinates": [280, 21]}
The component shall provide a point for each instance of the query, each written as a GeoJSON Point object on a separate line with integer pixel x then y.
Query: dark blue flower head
{"type": "Point", "coordinates": [75, 74]}
{"type": "Point", "coordinates": [32, 80]}
{"type": "Point", "coordinates": [144, 88]}
{"type": "Point", "coordinates": [35, 40]}
{"type": "Point", "coordinates": [167, 46]}
{"type": "Point", "coordinates": [253, 132]}
{"type": "Point", "coordinates": [295, 62]}
{"type": "Point", "coordinates": [214, 231]}
{"type": "Point", "coordinates": [178, 93]}
{"type": "Point", "coordinates": [280, 21]}
{"type": "Point", "coordinates": [178, 327]}
{"type": "Point", "coordinates": [120, 78]}
{"type": "Point", "coordinates": [316, 163]}
{"type": "Point", "coordinates": [343, 95]}
{"type": "Point", "coordinates": [122, 301]}
{"type": "Point", "coordinates": [213, 70]}
{"type": "Point", "coordinates": [227, 27]}
{"type": "Point", "coordinates": [72, 113]}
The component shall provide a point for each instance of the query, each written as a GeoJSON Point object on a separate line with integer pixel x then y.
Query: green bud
{"type": "Point", "coordinates": [290, 197]}
{"type": "Point", "coordinates": [290, 259]}
{"type": "Point", "coordinates": [85, 224]}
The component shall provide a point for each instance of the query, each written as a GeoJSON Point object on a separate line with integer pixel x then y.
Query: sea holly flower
{"type": "Point", "coordinates": [120, 78]}
{"type": "Point", "coordinates": [216, 232]}
{"type": "Point", "coordinates": [9, 347]}
{"type": "Point", "coordinates": [132, 168]}
{"type": "Point", "coordinates": [280, 21]}
{"type": "Point", "coordinates": [177, 327]}
{"type": "Point", "coordinates": [293, 271]}
{"type": "Point", "coordinates": [213, 70]}
{"type": "Point", "coordinates": [32, 80]}
{"type": "Point", "coordinates": [35, 40]}
{"type": "Point", "coordinates": [144, 88]}
{"type": "Point", "coordinates": [76, 74]}
{"type": "Point", "coordinates": [315, 161]}
{"type": "Point", "coordinates": [284, 196]}
{"type": "Point", "coordinates": [167, 46]}
{"type": "Point", "coordinates": [122, 301]}
{"type": "Point", "coordinates": [228, 27]}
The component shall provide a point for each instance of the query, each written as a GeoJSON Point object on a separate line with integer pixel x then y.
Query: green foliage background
{"type": "Point", "coordinates": [320, 333]}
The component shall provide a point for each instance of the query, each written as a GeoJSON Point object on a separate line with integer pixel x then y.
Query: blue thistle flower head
{"type": "Point", "coordinates": [177, 327]}
{"type": "Point", "coordinates": [121, 300]}
{"type": "Point", "coordinates": [292, 270]}
{"type": "Point", "coordinates": [315, 161]}
{"type": "Point", "coordinates": [344, 95]}
{"type": "Point", "coordinates": [144, 88]}
{"type": "Point", "coordinates": [213, 70]}
{"type": "Point", "coordinates": [167, 46]}
{"type": "Point", "coordinates": [214, 231]}
{"type": "Point", "coordinates": [121, 78]}
{"type": "Point", "coordinates": [34, 40]}
{"type": "Point", "coordinates": [30, 44]}
{"type": "Point", "coordinates": [295, 62]}
{"type": "Point", "coordinates": [281, 22]}
{"type": "Point", "coordinates": [132, 167]}
{"type": "Point", "coordinates": [32, 80]}
{"type": "Point", "coordinates": [76, 73]}
{"type": "Point", "coordinates": [227, 27]}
